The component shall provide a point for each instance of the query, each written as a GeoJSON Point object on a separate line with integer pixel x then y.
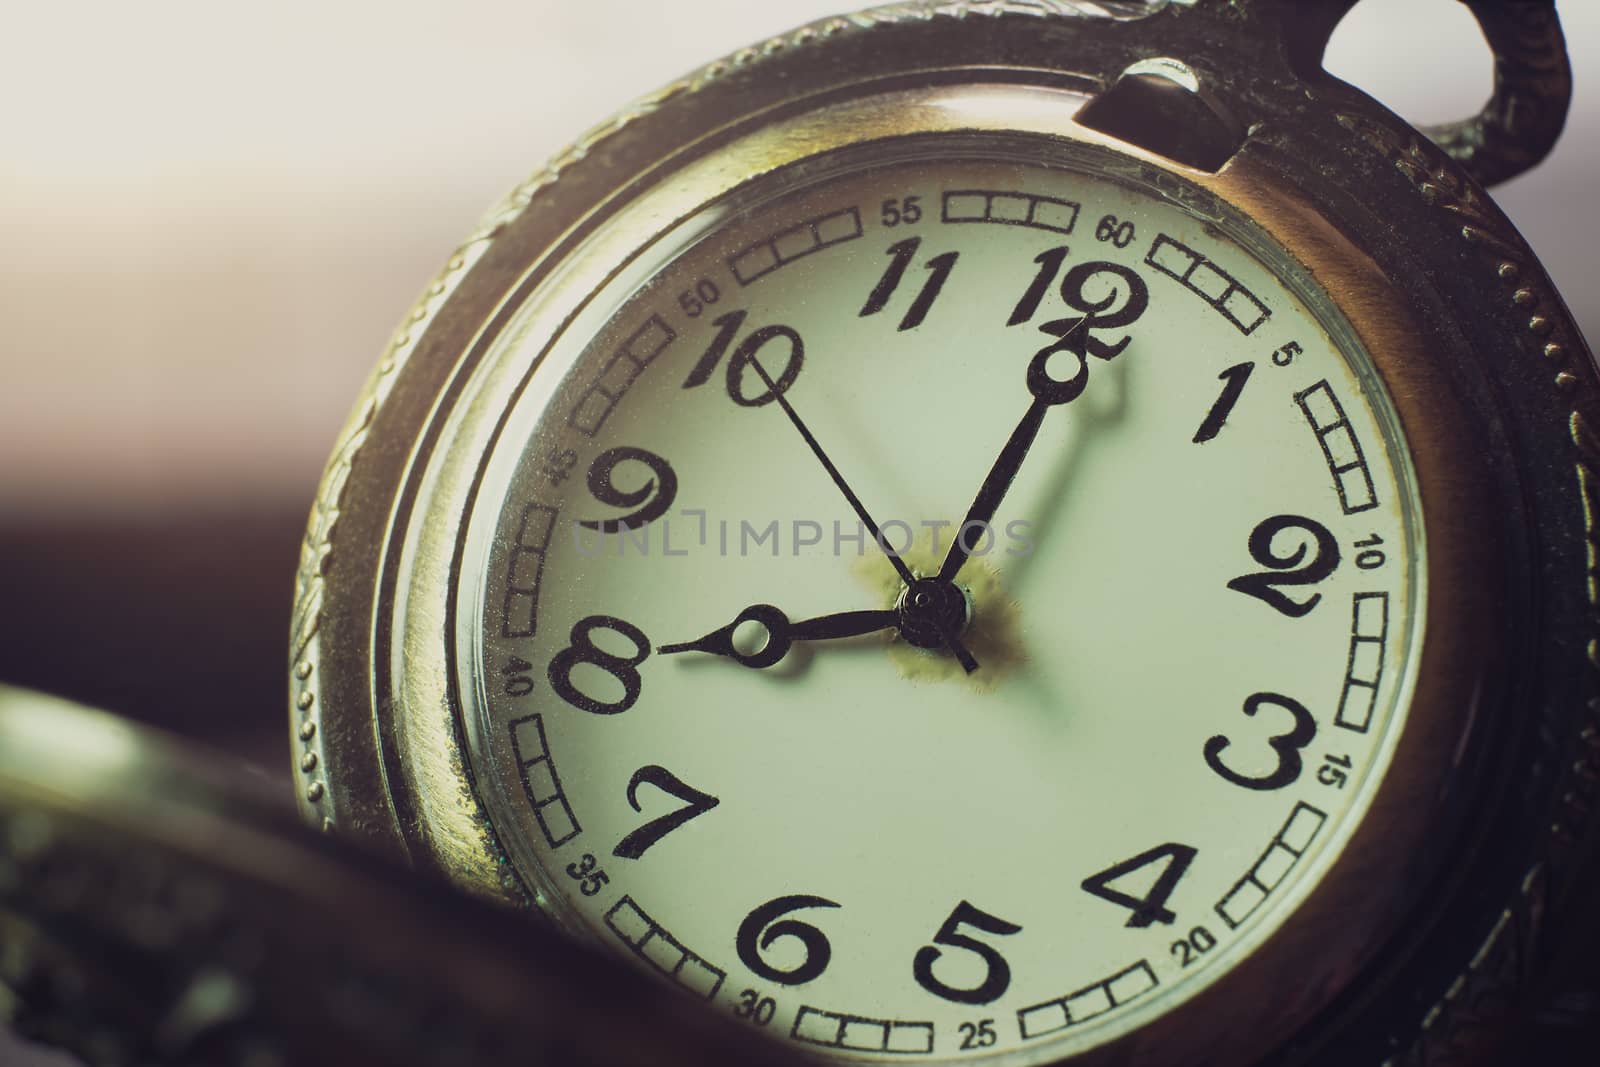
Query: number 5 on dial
{"type": "Point", "coordinates": [997, 976]}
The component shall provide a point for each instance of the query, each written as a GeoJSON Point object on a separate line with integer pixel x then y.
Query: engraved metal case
{"type": "Point", "coordinates": [1476, 845]}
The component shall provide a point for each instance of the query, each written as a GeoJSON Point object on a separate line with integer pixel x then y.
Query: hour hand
{"type": "Point", "coordinates": [781, 634]}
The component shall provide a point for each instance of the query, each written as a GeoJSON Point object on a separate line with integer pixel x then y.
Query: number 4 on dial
{"type": "Point", "coordinates": [1152, 907]}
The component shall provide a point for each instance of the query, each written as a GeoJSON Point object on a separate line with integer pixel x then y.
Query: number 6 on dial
{"type": "Point", "coordinates": [765, 925]}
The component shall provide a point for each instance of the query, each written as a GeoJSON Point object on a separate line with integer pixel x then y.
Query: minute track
{"type": "Point", "coordinates": [873, 778]}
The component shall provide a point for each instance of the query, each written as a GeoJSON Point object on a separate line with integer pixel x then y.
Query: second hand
{"type": "Point", "coordinates": [951, 641]}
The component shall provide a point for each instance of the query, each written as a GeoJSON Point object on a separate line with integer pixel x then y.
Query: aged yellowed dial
{"type": "Point", "coordinates": [711, 722]}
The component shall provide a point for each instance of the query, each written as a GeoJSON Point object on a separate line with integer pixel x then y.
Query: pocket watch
{"type": "Point", "coordinates": [1018, 531]}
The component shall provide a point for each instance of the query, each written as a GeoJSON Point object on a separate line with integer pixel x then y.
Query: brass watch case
{"type": "Point", "coordinates": [1475, 847]}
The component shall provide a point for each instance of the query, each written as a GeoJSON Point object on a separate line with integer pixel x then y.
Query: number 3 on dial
{"type": "Point", "coordinates": [1287, 746]}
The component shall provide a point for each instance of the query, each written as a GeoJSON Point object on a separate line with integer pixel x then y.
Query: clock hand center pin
{"type": "Point", "coordinates": [930, 608]}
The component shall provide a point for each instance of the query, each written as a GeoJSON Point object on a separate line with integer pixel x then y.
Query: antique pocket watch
{"type": "Point", "coordinates": [1007, 531]}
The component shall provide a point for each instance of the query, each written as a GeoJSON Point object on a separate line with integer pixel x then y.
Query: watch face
{"type": "Point", "coordinates": [1102, 743]}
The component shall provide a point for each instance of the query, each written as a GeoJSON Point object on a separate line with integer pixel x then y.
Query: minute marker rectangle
{"type": "Point", "coordinates": [1340, 447]}
{"type": "Point", "coordinates": [1207, 280]}
{"type": "Point", "coordinates": [1009, 208]}
{"type": "Point", "coordinates": [772, 253]}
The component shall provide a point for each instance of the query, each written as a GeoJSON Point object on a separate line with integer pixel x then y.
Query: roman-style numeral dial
{"type": "Point", "coordinates": [941, 610]}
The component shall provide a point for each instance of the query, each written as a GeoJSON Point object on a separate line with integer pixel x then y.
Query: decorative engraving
{"type": "Point", "coordinates": [1440, 183]}
{"type": "Point", "coordinates": [1121, 10]}
{"type": "Point", "coordinates": [1503, 964]}
{"type": "Point", "coordinates": [1532, 91]}
{"type": "Point", "coordinates": [129, 943]}
{"type": "Point", "coordinates": [1588, 445]}
{"type": "Point", "coordinates": [1478, 1000]}
{"type": "Point", "coordinates": [317, 552]}
{"type": "Point", "coordinates": [518, 200]}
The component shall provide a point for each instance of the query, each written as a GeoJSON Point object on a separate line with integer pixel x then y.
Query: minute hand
{"type": "Point", "coordinates": [1047, 393]}
{"type": "Point", "coordinates": [951, 640]}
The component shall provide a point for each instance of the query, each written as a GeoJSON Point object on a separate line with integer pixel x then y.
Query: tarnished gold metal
{"type": "Point", "coordinates": [1524, 117]}
{"type": "Point", "coordinates": [1447, 882]}
{"type": "Point", "coordinates": [159, 905]}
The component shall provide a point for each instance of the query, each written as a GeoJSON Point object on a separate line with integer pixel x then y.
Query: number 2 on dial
{"type": "Point", "coordinates": [1291, 569]}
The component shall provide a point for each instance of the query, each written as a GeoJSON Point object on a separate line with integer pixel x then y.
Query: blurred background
{"type": "Point", "coordinates": [212, 215]}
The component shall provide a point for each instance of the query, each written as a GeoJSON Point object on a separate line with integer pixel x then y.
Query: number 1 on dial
{"type": "Point", "coordinates": [1235, 377]}
{"type": "Point", "coordinates": [1049, 267]}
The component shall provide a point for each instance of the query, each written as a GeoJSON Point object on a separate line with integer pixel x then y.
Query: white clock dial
{"type": "Point", "coordinates": [1163, 687]}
